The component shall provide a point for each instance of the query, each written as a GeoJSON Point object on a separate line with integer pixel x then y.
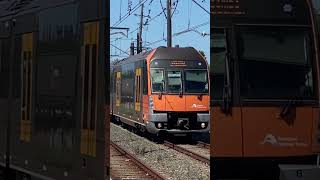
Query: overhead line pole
{"type": "Point", "coordinates": [169, 25]}
{"type": "Point", "coordinates": [140, 30]}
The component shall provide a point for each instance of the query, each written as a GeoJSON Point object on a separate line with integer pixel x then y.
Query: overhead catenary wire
{"type": "Point", "coordinates": [119, 49]}
{"type": "Point", "coordinates": [149, 21]}
{"type": "Point", "coordinates": [179, 33]}
{"type": "Point", "coordinates": [201, 6]}
{"type": "Point", "coordinates": [136, 7]}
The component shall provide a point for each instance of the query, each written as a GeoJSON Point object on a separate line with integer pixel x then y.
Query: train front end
{"type": "Point", "coordinates": [178, 92]}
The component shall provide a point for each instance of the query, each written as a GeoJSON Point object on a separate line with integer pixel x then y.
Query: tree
{"type": "Point", "coordinates": [203, 54]}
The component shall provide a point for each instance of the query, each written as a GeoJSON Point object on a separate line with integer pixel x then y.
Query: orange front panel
{"type": "Point", "coordinates": [159, 103]}
{"type": "Point", "coordinates": [196, 103]}
{"type": "Point", "coordinates": [226, 134]}
{"type": "Point", "coordinates": [266, 134]}
{"type": "Point", "coordinates": [316, 131]}
{"type": "Point", "coordinates": [175, 103]}
{"type": "Point", "coordinates": [145, 108]}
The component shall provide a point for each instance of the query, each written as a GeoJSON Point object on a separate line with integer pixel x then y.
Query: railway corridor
{"type": "Point", "coordinates": [166, 161]}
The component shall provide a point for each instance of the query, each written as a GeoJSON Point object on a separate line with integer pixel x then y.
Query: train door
{"type": "Point", "coordinates": [226, 138]}
{"type": "Point", "coordinates": [275, 69]}
{"type": "Point", "coordinates": [138, 94]}
{"type": "Point", "coordinates": [118, 91]}
{"type": "Point", "coordinates": [89, 88]}
{"type": "Point", "coordinates": [26, 90]}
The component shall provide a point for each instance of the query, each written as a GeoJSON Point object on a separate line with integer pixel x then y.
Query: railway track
{"type": "Point", "coordinates": [126, 166]}
{"type": "Point", "coordinates": [204, 145]}
{"type": "Point", "coordinates": [189, 150]}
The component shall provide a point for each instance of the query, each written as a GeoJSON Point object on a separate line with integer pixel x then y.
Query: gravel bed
{"type": "Point", "coordinates": [168, 162]}
{"type": "Point", "coordinates": [197, 150]}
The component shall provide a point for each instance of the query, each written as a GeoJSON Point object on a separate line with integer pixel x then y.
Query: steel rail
{"type": "Point", "coordinates": [187, 152]}
{"type": "Point", "coordinates": [139, 163]}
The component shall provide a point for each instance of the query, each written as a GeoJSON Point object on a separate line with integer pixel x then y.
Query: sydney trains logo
{"type": "Point", "coordinates": [283, 141]}
{"type": "Point", "coordinates": [199, 106]}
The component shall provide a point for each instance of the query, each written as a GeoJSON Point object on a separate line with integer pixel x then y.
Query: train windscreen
{"type": "Point", "coordinates": [196, 81]}
{"type": "Point", "coordinates": [157, 79]}
{"type": "Point", "coordinates": [275, 63]}
{"type": "Point", "coordinates": [174, 81]}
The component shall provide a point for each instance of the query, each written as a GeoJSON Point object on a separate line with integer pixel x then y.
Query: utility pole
{"type": "Point", "coordinates": [169, 28]}
{"type": "Point", "coordinates": [140, 30]}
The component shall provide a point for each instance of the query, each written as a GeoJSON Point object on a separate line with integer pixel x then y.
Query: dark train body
{"type": "Point", "coordinates": [162, 90]}
{"type": "Point", "coordinates": [52, 76]}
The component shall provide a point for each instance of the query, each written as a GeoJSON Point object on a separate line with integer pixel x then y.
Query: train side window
{"type": "Point", "coordinates": [144, 80]}
{"type": "Point", "coordinates": [86, 81]}
{"type": "Point", "coordinates": [27, 86]}
{"type": "Point", "coordinates": [94, 87]}
{"type": "Point", "coordinates": [89, 64]}
{"type": "Point", "coordinates": [218, 58]}
{"type": "Point", "coordinates": [4, 68]}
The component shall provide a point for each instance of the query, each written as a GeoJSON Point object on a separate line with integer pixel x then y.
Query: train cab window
{"type": "Point", "coordinates": [196, 81]}
{"type": "Point", "coordinates": [157, 78]}
{"type": "Point", "coordinates": [174, 82]}
{"type": "Point", "coordinates": [275, 63]}
{"type": "Point", "coordinates": [218, 58]}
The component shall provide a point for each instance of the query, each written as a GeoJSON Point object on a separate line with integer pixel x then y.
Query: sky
{"type": "Point", "coordinates": [187, 15]}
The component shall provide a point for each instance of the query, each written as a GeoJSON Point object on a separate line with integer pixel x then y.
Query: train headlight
{"type": "Point", "coordinates": [203, 125]}
{"type": "Point", "coordinates": [159, 125]}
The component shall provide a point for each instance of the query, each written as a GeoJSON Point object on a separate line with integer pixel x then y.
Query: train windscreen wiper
{"type": "Point", "coordinates": [292, 102]}
{"type": "Point", "coordinates": [162, 89]}
{"type": "Point", "coordinates": [226, 103]}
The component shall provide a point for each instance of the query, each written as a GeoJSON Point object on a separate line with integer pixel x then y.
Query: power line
{"type": "Point", "coordinates": [129, 13]}
{"type": "Point", "coordinates": [201, 6]}
{"type": "Point", "coordinates": [191, 29]}
{"type": "Point", "coordinates": [119, 49]}
{"type": "Point", "coordinates": [149, 21]}
{"type": "Point", "coordinates": [179, 33]}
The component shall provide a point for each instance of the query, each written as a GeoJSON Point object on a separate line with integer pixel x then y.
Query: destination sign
{"type": "Point", "coordinates": [295, 11]}
{"type": "Point", "coordinates": [227, 7]}
{"type": "Point", "coordinates": [194, 64]}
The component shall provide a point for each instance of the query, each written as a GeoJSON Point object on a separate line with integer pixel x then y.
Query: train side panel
{"type": "Point", "coordinates": [128, 88]}
{"type": "Point", "coordinates": [4, 108]}
{"type": "Point", "coordinates": [48, 137]}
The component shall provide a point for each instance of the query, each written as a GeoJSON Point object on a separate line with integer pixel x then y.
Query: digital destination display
{"type": "Point", "coordinates": [227, 7]}
{"type": "Point", "coordinates": [178, 64]}
{"type": "Point", "coordinates": [295, 11]}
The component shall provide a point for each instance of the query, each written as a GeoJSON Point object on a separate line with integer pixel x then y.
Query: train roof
{"type": "Point", "coordinates": [9, 8]}
{"type": "Point", "coordinates": [172, 53]}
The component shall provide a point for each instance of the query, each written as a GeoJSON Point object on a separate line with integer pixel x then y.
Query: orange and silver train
{"type": "Point", "coordinates": [265, 87]}
{"type": "Point", "coordinates": [165, 90]}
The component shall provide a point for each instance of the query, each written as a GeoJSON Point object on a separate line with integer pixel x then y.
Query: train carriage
{"type": "Point", "coordinates": [165, 90]}
{"type": "Point", "coordinates": [265, 93]}
{"type": "Point", "coordinates": [53, 122]}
